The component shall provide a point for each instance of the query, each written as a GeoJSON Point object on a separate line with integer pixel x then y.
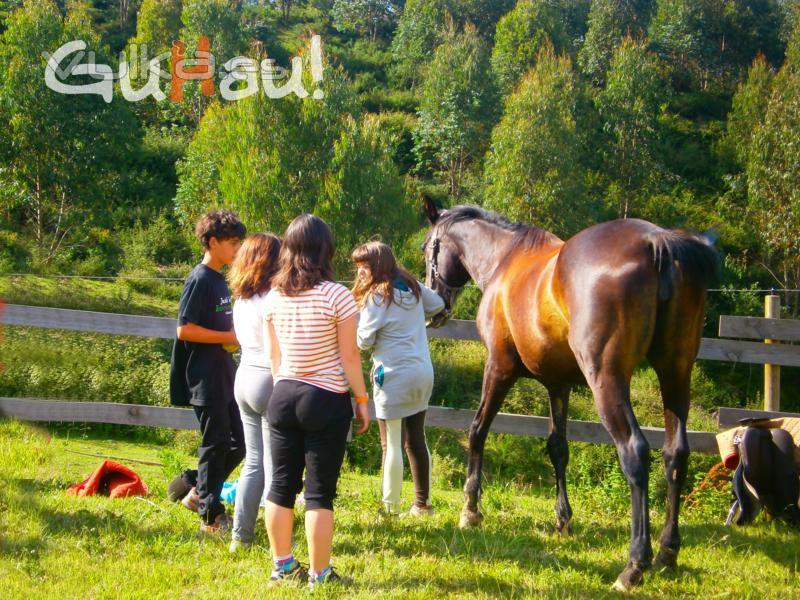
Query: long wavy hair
{"type": "Point", "coordinates": [384, 271]}
{"type": "Point", "coordinates": [255, 265]}
{"type": "Point", "coordinates": [306, 255]}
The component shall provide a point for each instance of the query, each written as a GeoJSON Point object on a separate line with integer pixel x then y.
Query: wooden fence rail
{"type": "Point", "coordinates": [59, 411]}
{"type": "Point", "coordinates": [163, 327]}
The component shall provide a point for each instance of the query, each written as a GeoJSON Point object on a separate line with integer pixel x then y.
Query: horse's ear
{"type": "Point", "coordinates": [430, 209]}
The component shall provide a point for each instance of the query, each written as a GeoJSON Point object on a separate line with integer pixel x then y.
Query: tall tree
{"type": "Point", "coordinates": [533, 169]}
{"type": "Point", "coordinates": [609, 22]}
{"type": "Point", "coordinates": [273, 159]}
{"type": "Point", "coordinates": [748, 110]}
{"type": "Point", "coordinates": [365, 17]}
{"type": "Point", "coordinates": [772, 170]}
{"type": "Point", "coordinates": [418, 32]}
{"type": "Point", "coordinates": [458, 108]}
{"type": "Point", "coordinates": [630, 106]}
{"type": "Point", "coordinates": [6, 8]}
{"type": "Point", "coordinates": [363, 193]}
{"type": "Point", "coordinates": [158, 24]}
{"type": "Point", "coordinates": [62, 158]}
{"type": "Point", "coordinates": [221, 22]}
{"type": "Point", "coordinates": [713, 41]}
{"type": "Point", "coordinates": [520, 35]}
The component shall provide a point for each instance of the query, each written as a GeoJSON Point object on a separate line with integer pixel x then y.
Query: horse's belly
{"type": "Point", "coordinates": [550, 362]}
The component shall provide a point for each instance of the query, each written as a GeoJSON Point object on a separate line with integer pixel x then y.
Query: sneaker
{"type": "Point", "coordinates": [419, 511]}
{"type": "Point", "coordinates": [191, 500]}
{"type": "Point", "coordinates": [221, 525]}
{"type": "Point", "coordinates": [297, 572]}
{"type": "Point", "coordinates": [239, 546]}
{"type": "Point", "coordinates": [331, 577]}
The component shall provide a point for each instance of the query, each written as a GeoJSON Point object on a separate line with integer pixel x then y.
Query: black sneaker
{"type": "Point", "coordinates": [331, 577]}
{"type": "Point", "coordinates": [296, 573]}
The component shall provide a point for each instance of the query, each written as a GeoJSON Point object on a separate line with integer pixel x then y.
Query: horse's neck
{"type": "Point", "coordinates": [482, 246]}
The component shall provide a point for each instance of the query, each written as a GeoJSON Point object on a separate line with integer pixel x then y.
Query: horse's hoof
{"type": "Point", "coordinates": [470, 518]}
{"type": "Point", "coordinates": [667, 558]}
{"type": "Point", "coordinates": [631, 577]}
{"type": "Point", "coordinates": [564, 527]}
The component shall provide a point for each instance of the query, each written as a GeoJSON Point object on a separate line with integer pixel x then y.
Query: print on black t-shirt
{"type": "Point", "coordinates": [203, 373]}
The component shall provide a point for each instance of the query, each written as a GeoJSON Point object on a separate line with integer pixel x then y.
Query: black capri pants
{"type": "Point", "coordinates": [308, 430]}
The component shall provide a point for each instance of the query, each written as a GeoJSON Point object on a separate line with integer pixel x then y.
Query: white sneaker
{"type": "Point", "coordinates": [191, 500]}
{"type": "Point", "coordinates": [419, 511]}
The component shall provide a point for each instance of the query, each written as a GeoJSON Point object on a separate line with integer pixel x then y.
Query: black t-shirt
{"type": "Point", "coordinates": [203, 373]}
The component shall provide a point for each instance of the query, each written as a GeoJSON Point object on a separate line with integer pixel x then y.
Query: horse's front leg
{"type": "Point", "coordinates": [496, 383]}
{"type": "Point", "coordinates": [559, 454]}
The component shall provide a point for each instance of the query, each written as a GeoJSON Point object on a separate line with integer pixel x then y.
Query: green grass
{"type": "Point", "coordinates": [55, 546]}
{"type": "Point", "coordinates": [135, 297]}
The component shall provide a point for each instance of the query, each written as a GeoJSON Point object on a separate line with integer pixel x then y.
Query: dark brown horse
{"type": "Point", "coordinates": [588, 311]}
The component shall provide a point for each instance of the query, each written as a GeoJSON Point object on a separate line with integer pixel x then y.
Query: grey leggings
{"type": "Point", "coordinates": [252, 389]}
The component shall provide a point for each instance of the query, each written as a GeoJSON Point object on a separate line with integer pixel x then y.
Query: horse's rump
{"type": "Point", "coordinates": [678, 253]}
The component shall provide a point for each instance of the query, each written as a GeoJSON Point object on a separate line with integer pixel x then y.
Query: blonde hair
{"type": "Point", "coordinates": [255, 265]}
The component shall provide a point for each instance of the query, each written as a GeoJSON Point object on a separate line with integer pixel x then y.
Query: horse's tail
{"type": "Point", "coordinates": [679, 253]}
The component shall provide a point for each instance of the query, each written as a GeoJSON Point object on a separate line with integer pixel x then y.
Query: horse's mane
{"type": "Point", "coordinates": [526, 237]}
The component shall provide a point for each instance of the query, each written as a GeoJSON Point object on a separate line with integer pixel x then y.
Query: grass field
{"type": "Point", "coordinates": [57, 546]}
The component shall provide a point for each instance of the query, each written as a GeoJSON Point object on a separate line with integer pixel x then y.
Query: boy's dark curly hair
{"type": "Point", "coordinates": [221, 224]}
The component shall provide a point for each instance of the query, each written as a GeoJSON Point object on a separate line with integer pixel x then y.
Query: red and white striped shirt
{"type": "Point", "coordinates": [305, 325]}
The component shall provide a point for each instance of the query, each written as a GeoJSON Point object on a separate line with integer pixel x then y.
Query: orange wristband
{"type": "Point", "coordinates": [361, 399]}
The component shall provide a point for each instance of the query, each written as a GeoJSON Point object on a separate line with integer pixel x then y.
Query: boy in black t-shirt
{"type": "Point", "coordinates": [202, 370]}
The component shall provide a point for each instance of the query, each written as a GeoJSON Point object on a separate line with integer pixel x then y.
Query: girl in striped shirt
{"type": "Point", "coordinates": [311, 328]}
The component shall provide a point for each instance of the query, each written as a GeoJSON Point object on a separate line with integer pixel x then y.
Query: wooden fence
{"type": "Point", "coordinates": [163, 327]}
{"type": "Point", "coordinates": [586, 431]}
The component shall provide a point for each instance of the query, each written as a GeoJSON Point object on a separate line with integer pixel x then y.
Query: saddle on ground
{"type": "Point", "coordinates": [767, 476]}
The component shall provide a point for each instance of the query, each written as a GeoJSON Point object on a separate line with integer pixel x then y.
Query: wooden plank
{"type": "Point", "coordinates": [456, 329]}
{"type": "Point", "coordinates": [37, 409]}
{"type": "Point", "coordinates": [759, 328]}
{"type": "Point", "coordinates": [83, 320]}
{"type": "Point", "coordinates": [161, 327]}
{"type": "Point", "coordinates": [579, 431]}
{"type": "Point", "coordinates": [749, 352]}
{"type": "Point", "coordinates": [730, 417]}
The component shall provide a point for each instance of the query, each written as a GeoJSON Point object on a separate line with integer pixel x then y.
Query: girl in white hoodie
{"type": "Point", "coordinates": [394, 308]}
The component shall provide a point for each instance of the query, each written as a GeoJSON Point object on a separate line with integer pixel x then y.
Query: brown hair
{"type": "Point", "coordinates": [306, 255]}
{"type": "Point", "coordinates": [255, 265]}
{"type": "Point", "coordinates": [220, 224]}
{"type": "Point", "coordinates": [384, 270]}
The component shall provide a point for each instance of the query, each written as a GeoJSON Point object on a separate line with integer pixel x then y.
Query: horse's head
{"type": "Point", "coordinates": [445, 273]}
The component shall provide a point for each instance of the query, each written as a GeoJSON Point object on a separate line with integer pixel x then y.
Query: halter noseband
{"type": "Point", "coordinates": [435, 275]}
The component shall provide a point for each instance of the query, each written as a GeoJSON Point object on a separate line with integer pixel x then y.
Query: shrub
{"type": "Point", "coordinates": [14, 254]}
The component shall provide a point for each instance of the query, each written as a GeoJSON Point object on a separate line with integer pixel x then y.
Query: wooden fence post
{"type": "Point", "coordinates": [772, 373]}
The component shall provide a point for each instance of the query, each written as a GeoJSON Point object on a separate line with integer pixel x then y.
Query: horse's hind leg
{"type": "Point", "coordinates": [675, 394]}
{"type": "Point", "coordinates": [612, 397]}
{"type": "Point", "coordinates": [497, 380]}
{"type": "Point", "coordinates": [672, 353]}
{"type": "Point", "coordinates": [559, 454]}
